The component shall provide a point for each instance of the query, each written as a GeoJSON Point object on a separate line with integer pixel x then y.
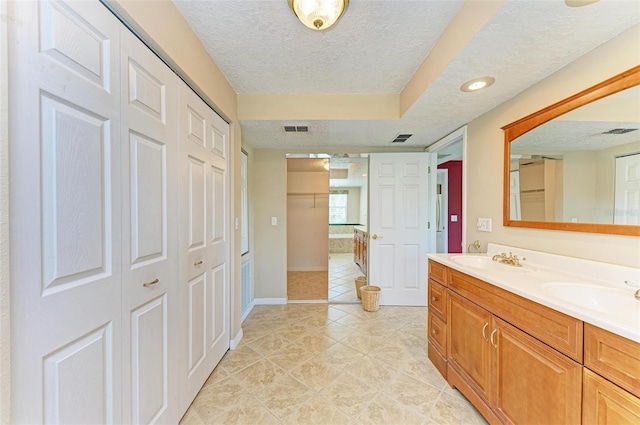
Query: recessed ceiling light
{"type": "Point", "coordinates": [477, 84]}
{"type": "Point", "coordinates": [579, 3]}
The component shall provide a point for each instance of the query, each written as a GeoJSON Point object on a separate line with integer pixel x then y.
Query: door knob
{"type": "Point", "coordinates": [374, 236]}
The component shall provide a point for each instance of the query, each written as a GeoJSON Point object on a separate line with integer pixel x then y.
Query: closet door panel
{"type": "Point", "coordinates": [204, 246]}
{"type": "Point", "coordinates": [65, 213]}
{"type": "Point", "coordinates": [150, 274]}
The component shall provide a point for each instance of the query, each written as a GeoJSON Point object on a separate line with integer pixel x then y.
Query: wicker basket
{"type": "Point", "coordinates": [360, 281]}
{"type": "Point", "coordinates": [370, 297]}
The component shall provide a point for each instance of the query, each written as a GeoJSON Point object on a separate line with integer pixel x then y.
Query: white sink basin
{"type": "Point", "coordinates": [593, 297]}
{"type": "Point", "coordinates": [474, 261]}
{"type": "Point", "coordinates": [486, 263]}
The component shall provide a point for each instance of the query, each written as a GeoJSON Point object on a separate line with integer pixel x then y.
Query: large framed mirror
{"type": "Point", "coordinates": [575, 165]}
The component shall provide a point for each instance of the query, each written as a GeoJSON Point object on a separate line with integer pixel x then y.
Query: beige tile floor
{"type": "Point", "coordinates": [342, 271]}
{"type": "Point", "coordinates": [307, 286]}
{"type": "Point", "coordinates": [330, 364]}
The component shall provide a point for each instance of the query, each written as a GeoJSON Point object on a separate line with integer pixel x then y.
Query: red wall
{"type": "Point", "coordinates": [454, 204]}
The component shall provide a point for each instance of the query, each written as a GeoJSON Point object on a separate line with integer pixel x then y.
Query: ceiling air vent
{"type": "Point", "coordinates": [401, 138]}
{"type": "Point", "coordinates": [620, 131]}
{"type": "Point", "coordinates": [296, 129]}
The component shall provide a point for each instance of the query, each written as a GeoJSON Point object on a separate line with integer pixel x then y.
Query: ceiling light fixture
{"type": "Point", "coordinates": [318, 14]}
{"type": "Point", "coordinates": [477, 84]}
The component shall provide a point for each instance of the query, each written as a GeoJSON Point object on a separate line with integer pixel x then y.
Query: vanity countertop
{"type": "Point", "coordinates": [361, 228]}
{"type": "Point", "coordinates": [587, 290]}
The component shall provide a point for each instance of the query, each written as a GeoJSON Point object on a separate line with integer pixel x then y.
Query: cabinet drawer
{"type": "Point", "coordinates": [437, 333]}
{"type": "Point", "coordinates": [438, 272]}
{"type": "Point", "coordinates": [614, 357]}
{"type": "Point", "coordinates": [562, 332]}
{"type": "Point", "coordinates": [606, 404]}
{"type": "Point", "coordinates": [437, 299]}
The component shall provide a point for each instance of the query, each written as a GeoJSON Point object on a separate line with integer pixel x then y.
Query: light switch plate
{"type": "Point", "coordinates": [454, 218]}
{"type": "Point", "coordinates": [484, 225]}
{"type": "Point", "coordinates": [274, 221]}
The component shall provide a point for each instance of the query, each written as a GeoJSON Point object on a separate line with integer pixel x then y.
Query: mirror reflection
{"type": "Point", "coordinates": [581, 167]}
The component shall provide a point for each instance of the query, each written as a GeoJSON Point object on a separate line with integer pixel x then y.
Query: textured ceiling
{"type": "Point", "coordinates": [261, 47]}
{"type": "Point", "coordinates": [376, 47]}
{"type": "Point", "coordinates": [557, 136]}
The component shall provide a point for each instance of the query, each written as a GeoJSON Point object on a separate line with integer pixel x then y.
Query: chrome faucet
{"type": "Point", "coordinates": [511, 260]}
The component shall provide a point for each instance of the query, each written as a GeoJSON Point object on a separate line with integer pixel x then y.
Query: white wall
{"type": "Point", "coordinates": [307, 221]}
{"type": "Point", "coordinates": [270, 200]}
{"type": "Point", "coordinates": [485, 157]}
{"type": "Point", "coordinates": [579, 175]}
{"type": "Point", "coordinates": [5, 304]}
{"type": "Point", "coordinates": [364, 205]}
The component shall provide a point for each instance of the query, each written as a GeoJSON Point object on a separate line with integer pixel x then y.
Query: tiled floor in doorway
{"type": "Point", "coordinates": [342, 271]}
{"type": "Point", "coordinates": [330, 364]}
{"type": "Point", "coordinates": [312, 286]}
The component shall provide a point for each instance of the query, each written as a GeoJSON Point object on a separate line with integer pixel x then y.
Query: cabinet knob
{"type": "Point", "coordinates": [434, 298]}
{"type": "Point", "coordinates": [434, 332]}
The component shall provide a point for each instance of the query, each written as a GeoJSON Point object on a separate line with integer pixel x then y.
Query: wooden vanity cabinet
{"type": "Point", "coordinates": [469, 352]}
{"type": "Point", "coordinates": [521, 379]}
{"type": "Point", "coordinates": [360, 249]}
{"type": "Point", "coordinates": [532, 382]}
{"type": "Point", "coordinates": [518, 362]}
{"type": "Point", "coordinates": [604, 403]}
{"type": "Point", "coordinates": [437, 301]}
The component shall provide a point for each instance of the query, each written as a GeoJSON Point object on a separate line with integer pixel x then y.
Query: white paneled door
{"type": "Point", "coordinates": [627, 190]}
{"type": "Point", "coordinates": [149, 134]}
{"type": "Point", "coordinates": [400, 235]}
{"type": "Point", "coordinates": [204, 242]}
{"type": "Point", "coordinates": [65, 213]}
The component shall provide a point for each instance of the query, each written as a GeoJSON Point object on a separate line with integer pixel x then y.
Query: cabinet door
{"type": "Point", "coordinates": [607, 404]}
{"type": "Point", "coordinates": [534, 384]}
{"type": "Point", "coordinates": [468, 349]}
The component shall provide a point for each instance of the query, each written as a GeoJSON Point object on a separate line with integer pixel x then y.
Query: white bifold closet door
{"type": "Point", "coordinates": [204, 242]}
{"type": "Point", "coordinates": [149, 157]}
{"type": "Point", "coordinates": [65, 213]}
{"type": "Point", "coordinates": [120, 286]}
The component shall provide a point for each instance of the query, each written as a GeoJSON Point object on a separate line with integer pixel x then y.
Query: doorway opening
{"type": "Point", "coordinates": [348, 212]}
{"type": "Point", "coordinates": [450, 195]}
{"type": "Point", "coordinates": [307, 230]}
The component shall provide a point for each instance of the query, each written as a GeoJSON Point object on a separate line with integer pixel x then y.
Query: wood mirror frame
{"type": "Point", "coordinates": [613, 85]}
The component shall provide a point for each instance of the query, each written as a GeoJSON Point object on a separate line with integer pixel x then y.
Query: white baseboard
{"type": "Point", "coordinates": [307, 301]}
{"type": "Point", "coordinates": [308, 269]}
{"type": "Point", "coordinates": [233, 344]}
{"type": "Point", "coordinates": [249, 308]}
{"type": "Point", "coordinates": [269, 301]}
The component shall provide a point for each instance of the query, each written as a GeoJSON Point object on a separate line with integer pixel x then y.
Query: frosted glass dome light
{"type": "Point", "coordinates": [318, 14]}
